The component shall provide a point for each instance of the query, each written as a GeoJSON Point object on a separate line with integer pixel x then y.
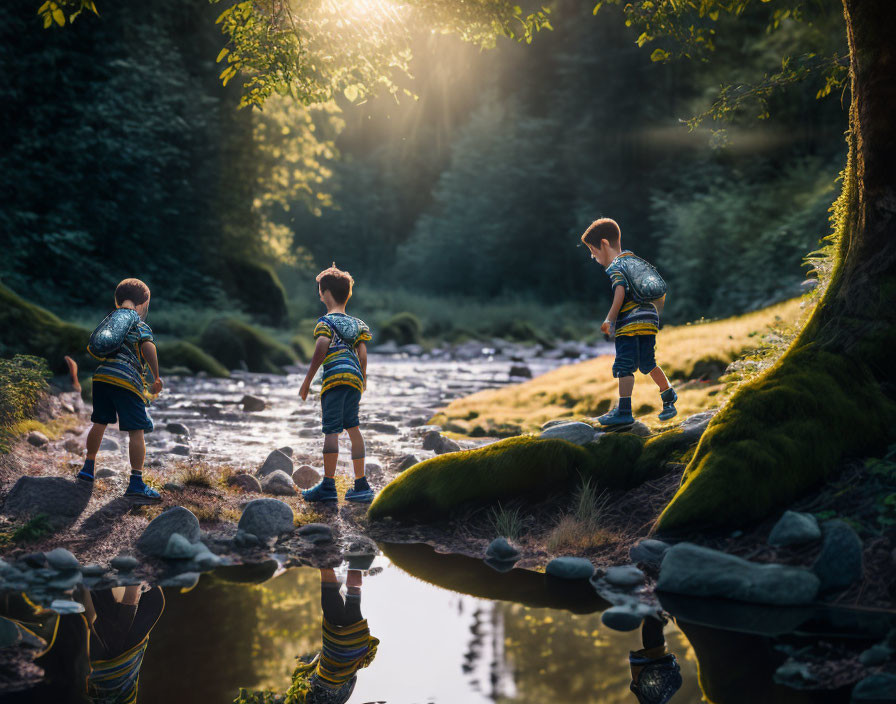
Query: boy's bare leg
{"type": "Point", "coordinates": [73, 373]}
{"type": "Point", "coordinates": [331, 454]}
{"type": "Point", "coordinates": [659, 377]}
{"type": "Point", "coordinates": [328, 575]}
{"type": "Point", "coordinates": [358, 450]}
{"type": "Point", "coordinates": [353, 581]}
{"type": "Point", "coordinates": [136, 451]}
{"type": "Point", "coordinates": [626, 386]}
{"type": "Point", "coordinates": [94, 438]}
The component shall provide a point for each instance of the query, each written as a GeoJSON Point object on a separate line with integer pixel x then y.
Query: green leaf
{"type": "Point", "coordinates": [59, 17]}
{"type": "Point", "coordinates": [659, 55]}
{"type": "Point", "coordinates": [222, 54]}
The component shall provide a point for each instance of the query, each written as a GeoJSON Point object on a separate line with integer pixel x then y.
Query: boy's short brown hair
{"type": "Point", "coordinates": [602, 229]}
{"type": "Point", "coordinates": [133, 290]}
{"type": "Point", "coordinates": [339, 283]}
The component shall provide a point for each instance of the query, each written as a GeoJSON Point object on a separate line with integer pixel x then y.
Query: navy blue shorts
{"type": "Point", "coordinates": [634, 352]}
{"type": "Point", "coordinates": [111, 403]}
{"type": "Point", "coordinates": [339, 409]}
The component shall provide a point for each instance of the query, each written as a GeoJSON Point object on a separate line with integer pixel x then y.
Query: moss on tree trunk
{"type": "Point", "coordinates": [832, 394]}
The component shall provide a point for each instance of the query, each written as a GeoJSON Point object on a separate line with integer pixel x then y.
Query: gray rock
{"type": "Point", "coordinates": [181, 450]}
{"type": "Point", "coordinates": [385, 428]}
{"type": "Point", "coordinates": [405, 462]}
{"type": "Point", "coordinates": [795, 675]}
{"type": "Point", "coordinates": [570, 568]}
{"type": "Point", "coordinates": [73, 445]}
{"type": "Point", "coordinates": [438, 443]}
{"type": "Point", "coordinates": [648, 551]}
{"type": "Point", "coordinates": [557, 421]}
{"type": "Point", "coordinates": [176, 519]}
{"type": "Point", "coordinates": [60, 499]}
{"type": "Point", "coordinates": [179, 548]}
{"type": "Point", "coordinates": [574, 432]}
{"type": "Point", "coordinates": [105, 473]}
{"type": "Point", "coordinates": [371, 468]}
{"type": "Point", "coordinates": [417, 421]}
{"type": "Point", "coordinates": [173, 486]}
{"type": "Point", "coordinates": [698, 571]}
{"type": "Point", "coordinates": [500, 549]}
{"type": "Point", "coordinates": [62, 560]}
{"type": "Point", "coordinates": [66, 606]}
{"type": "Point", "coordinates": [278, 483]}
{"type": "Point", "coordinates": [109, 445]}
{"type": "Point", "coordinates": [37, 438]}
{"type": "Point", "coordinates": [9, 633]}
{"type": "Point", "coordinates": [877, 654]}
{"type": "Point", "coordinates": [242, 539]}
{"type": "Point", "coordinates": [267, 518]}
{"type": "Point", "coordinates": [124, 563]}
{"type": "Point", "coordinates": [286, 450]}
{"type": "Point", "coordinates": [447, 445]}
{"type": "Point", "coordinates": [66, 580]}
{"type": "Point", "coordinates": [178, 429]}
{"type": "Point", "coordinates": [359, 553]}
{"type": "Point", "coordinates": [276, 460]}
{"type": "Point", "coordinates": [184, 580]}
{"type": "Point", "coordinates": [622, 618]}
{"type": "Point", "coordinates": [693, 426]}
{"type": "Point", "coordinates": [499, 565]}
{"type": "Point", "coordinates": [521, 371]}
{"type": "Point", "coordinates": [316, 533]}
{"type": "Point", "coordinates": [794, 528]}
{"type": "Point", "coordinates": [624, 576]}
{"type": "Point", "coordinates": [246, 482]}
{"type": "Point", "coordinates": [839, 563]}
{"type": "Point", "coordinates": [93, 570]}
{"type": "Point", "coordinates": [252, 404]}
{"type": "Point", "coordinates": [878, 687]}
{"type": "Point", "coordinates": [305, 477]}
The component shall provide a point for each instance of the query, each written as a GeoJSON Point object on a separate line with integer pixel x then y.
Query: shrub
{"type": "Point", "coordinates": [232, 342]}
{"type": "Point", "coordinates": [508, 522]}
{"type": "Point", "coordinates": [23, 380]}
{"type": "Point", "coordinates": [401, 328]}
{"type": "Point", "coordinates": [180, 353]}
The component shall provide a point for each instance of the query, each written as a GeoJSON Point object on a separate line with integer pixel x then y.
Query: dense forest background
{"type": "Point", "coordinates": [123, 155]}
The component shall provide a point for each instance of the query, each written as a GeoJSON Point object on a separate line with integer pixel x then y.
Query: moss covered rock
{"type": "Point", "coordinates": [257, 287]}
{"type": "Point", "coordinates": [233, 342]}
{"type": "Point", "coordinates": [401, 328]}
{"type": "Point", "coordinates": [26, 328]}
{"type": "Point", "coordinates": [180, 353]}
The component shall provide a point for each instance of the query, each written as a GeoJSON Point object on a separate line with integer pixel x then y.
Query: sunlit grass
{"type": "Point", "coordinates": [507, 522]}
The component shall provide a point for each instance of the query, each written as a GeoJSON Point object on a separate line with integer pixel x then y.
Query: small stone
{"type": "Point", "coordinates": [184, 580]}
{"type": "Point", "coordinates": [9, 633]}
{"type": "Point", "coordinates": [371, 468]}
{"type": "Point", "coordinates": [173, 486]}
{"type": "Point", "coordinates": [840, 562]}
{"type": "Point", "coordinates": [207, 560]}
{"type": "Point", "coordinates": [794, 528]}
{"type": "Point", "coordinates": [877, 654]}
{"type": "Point", "coordinates": [648, 551]}
{"type": "Point", "coordinates": [242, 539]}
{"type": "Point", "coordinates": [306, 477]}
{"type": "Point", "coordinates": [447, 445]}
{"type": "Point", "coordinates": [105, 473]}
{"type": "Point", "coordinates": [37, 438]}
{"type": "Point", "coordinates": [93, 570]}
{"type": "Point", "coordinates": [181, 450]}
{"type": "Point", "coordinates": [176, 519]}
{"type": "Point", "coordinates": [59, 498]}
{"type": "Point", "coordinates": [622, 618]}
{"type": "Point", "coordinates": [316, 533]}
{"type": "Point", "coordinates": [417, 421]}
{"type": "Point", "coordinates": [73, 445]}
{"type": "Point", "coordinates": [66, 580]}
{"type": "Point", "coordinates": [252, 404]}
{"type": "Point", "coordinates": [109, 445]}
{"type": "Point", "coordinates": [124, 563]}
{"type": "Point", "coordinates": [432, 440]}
{"type": "Point", "coordinates": [500, 549]}
{"type": "Point", "coordinates": [62, 560]}
{"type": "Point", "coordinates": [286, 450]}
{"type": "Point", "coordinates": [405, 462]}
{"type": "Point", "coordinates": [574, 432]}
{"type": "Point", "coordinates": [878, 687]}
{"type": "Point", "coordinates": [624, 576]}
{"type": "Point", "coordinates": [279, 483]}
{"type": "Point", "coordinates": [693, 426]}
{"type": "Point", "coordinates": [276, 460]}
{"type": "Point", "coordinates": [34, 559]}
{"type": "Point", "coordinates": [179, 548]}
{"type": "Point", "coordinates": [66, 606]}
{"type": "Point", "coordinates": [570, 568]}
{"type": "Point", "coordinates": [267, 518]}
{"type": "Point", "coordinates": [178, 429]}
{"type": "Point", "coordinates": [246, 482]}
{"type": "Point", "coordinates": [521, 371]}
{"type": "Point", "coordinates": [386, 428]}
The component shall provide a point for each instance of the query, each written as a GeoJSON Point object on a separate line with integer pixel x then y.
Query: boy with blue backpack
{"type": "Point", "coordinates": [123, 343]}
{"type": "Point", "coordinates": [340, 346]}
{"type": "Point", "coordinates": [633, 319]}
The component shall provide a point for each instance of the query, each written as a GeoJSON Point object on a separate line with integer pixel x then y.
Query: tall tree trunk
{"type": "Point", "coordinates": [831, 396]}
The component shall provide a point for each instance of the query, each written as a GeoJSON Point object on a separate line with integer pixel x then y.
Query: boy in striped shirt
{"type": "Point", "coordinates": [120, 392]}
{"type": "Point", "coordinates": [341, 348]}
{"type": "Point", "coordinates": [635, 326]}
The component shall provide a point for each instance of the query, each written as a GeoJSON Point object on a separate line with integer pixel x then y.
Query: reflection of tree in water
{"type": "Point", "coordinates": [485, 662]}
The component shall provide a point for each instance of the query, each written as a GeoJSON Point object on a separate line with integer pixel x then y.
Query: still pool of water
{"type": "Point", "coordinates": [449, 629]}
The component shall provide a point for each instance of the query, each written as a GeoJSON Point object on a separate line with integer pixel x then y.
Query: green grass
{"type": "Point", "coordinates": [22, 383]}
{"type": "Point", "coordinates": [180, 353]}
{"type": "Point", "coordinates": [507, 522]}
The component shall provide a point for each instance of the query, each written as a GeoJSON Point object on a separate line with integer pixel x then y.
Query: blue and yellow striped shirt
{"type": "Point", "coordinates": [634, 318]}
{"type": "Point", "coordinates": [127, 367]}
{"type": "Point", "coordinates": [341, 365]}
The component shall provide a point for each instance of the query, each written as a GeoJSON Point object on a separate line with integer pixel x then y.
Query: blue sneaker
{"type": "Point", "coordinates": [142, 493]}
{"type": "Point", "coordinates": [324, 492]}
{"type": "Point", "coordinates": [669, 398]}
{"type": "Point", "coordinates": [616, 417]}
{"type": "Point", "coordinates": [360, 494]}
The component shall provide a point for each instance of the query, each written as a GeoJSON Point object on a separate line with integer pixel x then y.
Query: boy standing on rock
{"type": "Point", "coordinates": [342, 350]}
{"type": "Point", "coordinates": [633, 317]}
{"type": "Point", "coordinates": [120, 392]}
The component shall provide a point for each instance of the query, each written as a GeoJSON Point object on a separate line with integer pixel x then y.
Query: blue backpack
{"type": "Point", "coordinates": [110, 334]}
{"type": "Point", "coordinates": [644, 282]}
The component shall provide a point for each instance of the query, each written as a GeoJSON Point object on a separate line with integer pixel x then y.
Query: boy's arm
{"type": "Point", "coordinates": [150, 354]}
{"type": "Point", "coordinates": [361, 351]}
{"type": "Point", "coordinates": [610, 322]}
{"type": "Point", "coordinates": [320, 353]}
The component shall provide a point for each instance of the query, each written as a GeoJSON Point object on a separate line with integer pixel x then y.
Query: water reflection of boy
{"type": "Point", "coordinates": [656, 676]}
{"type": "Point", "coordinates": [347, 644]}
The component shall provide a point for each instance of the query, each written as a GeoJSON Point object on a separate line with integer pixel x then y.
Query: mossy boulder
{"type": "Point", "coordinates": [524, 467]}
{"type": "Point", "coordinates": [257, 287]}
{"type": "Point", "coordinates": [183, 354]}
{"type": "Point", "coordinates": [402, 329]}
{"type": "Point", "coordinates": [26, 328]}
{"type": "Point", "coordinates": [233, 342]}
